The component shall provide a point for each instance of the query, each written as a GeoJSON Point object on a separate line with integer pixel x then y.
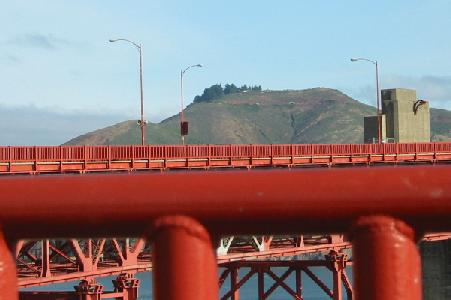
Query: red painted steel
{"type": "Point", "coordinates": [8, 280]}
{"type": "Point", "coordinates": [238, 202]}
{"type": "Point", "coordinates": [126, 287]}
{"type": "Point", "coordinates": [63, 268]}
{"type": "Point", "coordinates": [87, 259]}
{"type": "Point", "coordinates": [263, 268]}
{"type": "Point", "coordinates": [190, 274]}
{"type": "Point", "coordinates": [387, 262]}
{"type": "Point", "coordinates": [60, 159]}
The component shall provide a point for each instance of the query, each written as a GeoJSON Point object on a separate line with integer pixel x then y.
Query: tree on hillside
{"type": "Point", "coordinates": [213, 92]}
{"type": "Point", "coordinates": [230, 89]}
{"type": "Point", "coordinates": [216, 91]}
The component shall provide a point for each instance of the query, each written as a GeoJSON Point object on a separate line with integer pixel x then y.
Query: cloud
{"type": "Point", "coordinates": [29, 125]}
{"type": "Point", "coordinates": [10, 59]}
{"type": "Point", "coordinates": [436, 89]}
{"type": "Point", "coordinates": [37, 40]}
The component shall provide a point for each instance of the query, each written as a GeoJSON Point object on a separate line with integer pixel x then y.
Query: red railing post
{"type": "Point", "coordinates": [184, 261]}
{"type": "Point", "coordinates": [85, 158]}
{"type": "Point", "coordinates": [60, 156]}
{"type": "Point", "coordinates": [35, 159]}
{"type": "Point", "coordinates": [386, 260]}
{"type": "Point", "coordinates": [8, 281]}
{"type": "Point", "coordinates": [109, 157]}
{"type": "Point", "coordinates": [133, 156]}
{"type": "Point", "coordinates": [9, 160]}
{"type": "Point", "coordinates": [149, 155]}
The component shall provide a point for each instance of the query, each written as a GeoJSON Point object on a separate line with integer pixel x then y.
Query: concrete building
{"type": "Point", "coordinates": [404, 118]}
{"type": "Point", "coordinates": [370, 134]}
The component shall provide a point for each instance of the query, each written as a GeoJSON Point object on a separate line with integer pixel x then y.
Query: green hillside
{"type": "Point", "coordinates": [318, 115]}
{"type": "Point", "coordinates": [440, 125]}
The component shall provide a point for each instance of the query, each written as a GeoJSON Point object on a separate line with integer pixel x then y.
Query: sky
{"type": "Point", "coordinates": [60, 77]}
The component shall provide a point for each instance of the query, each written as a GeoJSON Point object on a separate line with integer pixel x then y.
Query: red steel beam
{"type": "Point", "coordinates": [228, 202]}
{"type": "Point", "coordinates": [387, 263]}
{"type": "Point", "coordinates": [384, 224]}
{"type": "Point", "coordinates": [8, 280]}
{"type": "Point", "coordinates": [183, 259]}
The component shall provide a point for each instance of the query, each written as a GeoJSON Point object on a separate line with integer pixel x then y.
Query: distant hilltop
{"type": "Point", "coordinates": [248, 114]}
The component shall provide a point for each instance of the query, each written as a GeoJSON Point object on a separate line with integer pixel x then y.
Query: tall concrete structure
{"type": "Point", "coordinates": [370, 134]}
{"type": "Point", "coordinates": [407, 119]}
{"type": "Point", "coordinates": [404, 118]}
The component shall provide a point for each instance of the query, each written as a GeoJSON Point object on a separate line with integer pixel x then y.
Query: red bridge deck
{"type": "Point", "coordinates": [41, 159]}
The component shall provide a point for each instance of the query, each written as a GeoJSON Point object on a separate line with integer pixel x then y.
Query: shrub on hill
{"type": "Point", "coordinates": [216, 91]}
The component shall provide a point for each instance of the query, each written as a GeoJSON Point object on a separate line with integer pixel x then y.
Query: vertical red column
{"type": "Point", "coordinates": [184, 261]}
{"type": "Point", "coordinates": [298, 283]}
{"type": "Point", "coordinates": [261, 284]}
{"type": "Point", "coordinates": [234, 279]}
{"type": "Point", "coordinates": [45, 256]}
{"type": "Point", "coordinates": [8, 281]}
{"type": "Point", "coordinates": [337, 264]}
{"type": "Point", "coordinates": [386, 260]}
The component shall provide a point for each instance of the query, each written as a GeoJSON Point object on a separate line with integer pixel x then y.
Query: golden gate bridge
{"type": "Point", "coordinates": [177, 217]}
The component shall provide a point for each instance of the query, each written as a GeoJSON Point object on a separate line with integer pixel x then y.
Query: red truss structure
{"type": "Point", "coordinates": [53, 261]}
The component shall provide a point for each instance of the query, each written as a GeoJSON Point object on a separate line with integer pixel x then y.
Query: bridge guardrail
{"type": "Point", "coordinates": [130, 157]}
{"type": "Point", "coordinates": [47, 153]}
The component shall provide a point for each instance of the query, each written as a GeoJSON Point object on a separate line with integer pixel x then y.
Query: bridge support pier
{"type": "Point", "coordinates": [184, 262]}
{"type": "Point", "coordinates": [127, 284]}
{"type": "Point", "coordinates": [337, 263]}
{"type": "Point", "coordinates": [387, 262]}
{"type": "Point", "coordinates": [89, 290]}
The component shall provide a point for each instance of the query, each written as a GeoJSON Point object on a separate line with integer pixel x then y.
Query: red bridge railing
{"type": "Point", "coordinates": [41, 159]}
{"type": "Point", "coordinates": [384, 210]}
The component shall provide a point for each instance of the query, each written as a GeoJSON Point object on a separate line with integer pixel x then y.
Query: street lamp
{"type": "Point", "coordinates": [378, 97]}
{"type": "Point", "coordinates": [183, 123]}
{"type": "Point", "coordinates": [141, 123]}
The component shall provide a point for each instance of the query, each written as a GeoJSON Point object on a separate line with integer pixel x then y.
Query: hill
{"type": "Point", "coordinates": [317, 115]}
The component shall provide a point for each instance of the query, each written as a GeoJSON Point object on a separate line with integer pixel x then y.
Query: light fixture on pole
{"type": "Point", "coordinates": [378, 97]}
{"type": "Point", "coordinates": [141, 123]}
{"type": "Point", "coordinates": [183, 122]}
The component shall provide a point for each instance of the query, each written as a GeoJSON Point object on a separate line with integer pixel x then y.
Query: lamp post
{"type": "Point", "coordinates": [378, 97]}
{"type": "Point", "coordinates": [141, 123]}
{"type": "Point", "coordinates": [183, 123]}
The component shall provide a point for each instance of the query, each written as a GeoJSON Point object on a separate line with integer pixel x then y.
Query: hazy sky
{"type": "Point", "coordinates": [56, 62]}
